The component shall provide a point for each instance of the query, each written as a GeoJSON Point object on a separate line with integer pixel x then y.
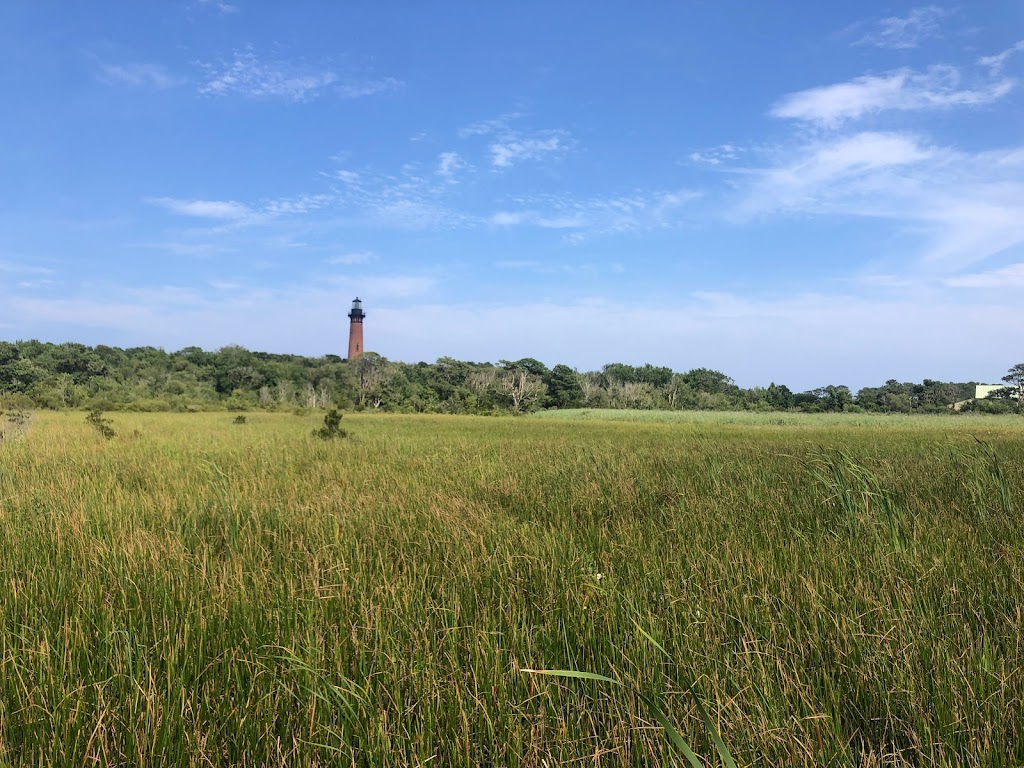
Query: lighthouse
{"type": "Point", "coordinates": [355, 330]}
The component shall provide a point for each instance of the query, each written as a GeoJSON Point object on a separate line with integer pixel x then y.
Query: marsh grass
{"type": "Point", "coordinates": [192, 593]}
{"type": "Point", "coordinates": [14, 422]}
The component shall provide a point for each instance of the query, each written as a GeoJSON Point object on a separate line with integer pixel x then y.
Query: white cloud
{"type": "Point", "coordinates": [447, 165]}
{"type": "Point", "coordinates": [518, 264]}
{"type": "Point", "coordinates": [637, 211]}
{"type": "Point", "coordinates": [997, 62]}
{"type": "Point", "coordinates": [296, 205]}
{"type": "Point", "coordinates": [219, 5]}
{"type": "Point", "coordinates": [247, 75]}
{"type": "Point", "coordinates": [351, 259]}
{"type": "Point", "coordinates": [191, 249]}
{"type": "Point", "coordinates": [716, 155]}
{"type": "Point", "coordinates": [903, 89]}
{"type": "Point", "coordinates": [972, 223]}
{"type": "Point", "coordinates": [209, 209]}
{"type": "Point", "coordinates": [408, 199]}
{"type": "Point", "coordinates": [824, 170]}
{"type": "Point", "coordinates": [379, 287]}
{"type": "Point", "coordinates": [906, 31]}
{"type": "Point", "coordinates": [561, 222]}
{"type": "Point", "coordinates": [357, 89]}
{"type": "Point", "coordinates": [401, 287]}
{"type": "Point", "coordinates": [557, 221]}
{"type": "Point", "coordinates": [558, 268]}
{"type": "Point", "coordinates": [138, 75]}
{"type": "Point", "coordinates": [15, 267]}
{"type": "Point", "coordinates": [964, 207]}
{"type": "Point", "coordinates": [1011, 276]}
{"type": "Point", "coordinates": [512, 148]}
{"type": "Point", "coordinates": [487, 127]}
{"type": "Point", "coordinates": [412, 214]}
{"type": "Point", "coordinates": [509, 146]}
{"type": "Point", "coordinates": [29, 284]}
{"type": "Point", "coordinates": [509, 218]}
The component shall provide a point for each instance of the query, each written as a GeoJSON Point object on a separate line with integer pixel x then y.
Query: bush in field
{"type": "Point", "coordinates": [238, 419]}
{"type": "Point", "coordinates": [101, 424]}
{"type": "Point", "coordinates": [14, 422]}
{"type": "Point", "coordinates": [332, 426]}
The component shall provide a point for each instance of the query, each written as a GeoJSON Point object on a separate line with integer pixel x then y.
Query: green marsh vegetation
{"type": "Point", "coordinates": [830, 592]}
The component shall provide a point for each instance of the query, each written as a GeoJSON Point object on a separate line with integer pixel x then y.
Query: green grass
{"type": "Point", "coordinates": [961, 422]}
{"type": "Point", "coordinates": [195, 592]}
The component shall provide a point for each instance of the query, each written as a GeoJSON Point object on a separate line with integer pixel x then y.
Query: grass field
{"type": "Point", "coordinates": [194, 592]}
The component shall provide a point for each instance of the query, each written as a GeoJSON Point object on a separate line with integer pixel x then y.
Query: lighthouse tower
{"type": "Point", "coordinates": [355, 330]}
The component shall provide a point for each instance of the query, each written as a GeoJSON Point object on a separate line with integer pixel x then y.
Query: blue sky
{"type": "Point", "coordinates": [799, 192]}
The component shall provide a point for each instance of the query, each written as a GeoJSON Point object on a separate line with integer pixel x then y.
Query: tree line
{"type": "Point", "coordinates": [36, 374]}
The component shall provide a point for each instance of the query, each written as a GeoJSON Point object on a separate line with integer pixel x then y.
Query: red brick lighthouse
{"type": "Point", "coordinates": [355, 330]}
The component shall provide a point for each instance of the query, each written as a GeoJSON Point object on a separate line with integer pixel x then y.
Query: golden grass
{"type": "Point", "coordinates": [194, 592]}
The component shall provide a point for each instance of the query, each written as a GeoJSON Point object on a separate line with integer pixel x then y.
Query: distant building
{"type": "Point", "coordinates": [981, 391]}
{"type": "Point", "coordinates": [355, 330]}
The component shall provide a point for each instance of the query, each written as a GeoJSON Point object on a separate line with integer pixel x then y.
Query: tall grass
{"type": "Point", "coordinates": [195, 593]}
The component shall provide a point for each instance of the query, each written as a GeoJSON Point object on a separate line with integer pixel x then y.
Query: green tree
{"type": "Point", "coordinates": [779, 397]}
{"type": "Point", "coordinates": [564, 390]}
{"type": "Point", "coordinates": [833, 398]}
{"type": "Point", "coordinates": [17, 374]}
{"type": "Point", "coordinates": [528, 364]}
{"type": "Point", "coordinates": [76, 360]}
{"type": "Point", "coordinates": [708, 380]}
{"type": "Point", "coordinates": [523, 390]}
{"type": "Point", "coordinates": [1014, 379]}
{"type": "Point", "coordinates": [376, 377]}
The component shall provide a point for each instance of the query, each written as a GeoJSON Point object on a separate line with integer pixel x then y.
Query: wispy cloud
{"type": "Point", "coordinates": [137, 75]}
{"type": "Point", "coordinates": [15, 267]}
{"type": "Point", "coordinates": [218, 5]}
{"type": "Point", "coordinates": [296, 206]}
{"type": "Point", "coordinates": [716, 155]}
{"type": "Point", "coordinates": [509, 146]}
{"type": "Point", "coordinates": [827, 170]}
{"type": "Point", "coordinates": [349, 177]}
{"type": "Point", "coordinates": [247, 75]}
{"type": "Point", "coordinates": [513, 147]}
{"type": "Point", "coordinates": [938, 87]}
{"type": "Point", "coordinates": [232, 215]}
{"type": "Point", "coordinates": [998, 61]}
{"type": "Point", "coordinates": [965, 207]}
{"type": "Point", "coordinates": [355, 88]}
{"type": "Point", "coordinates": [199, 250]}
{"type": "Point", "coordinates": [352, 259]}
{"type": "Point", "coordinates": [207, 209]}
{"type": "Point", "coordinates": [448, 164]}
{"type": "Point", "coordinates": [907, 31]}
{"type": "Point", "coordinates": [498, 124]}
{"type": "Point", "coordinates": [412, 198]}
{"type": "Point", "coordinates": [636, 211]}
{"type": "Point", "coordinates": [413, 215]}
{"type": "Point", "coordinates": [547, 221]}
{"type": "Point", "coordinates": [388, 286]}
{"type": "Point", "coordinates": [557, 268]}
{"type": "Point", "coordinates": [518, 264]}
{"type": "Point", "coordinates": [1011, 276]}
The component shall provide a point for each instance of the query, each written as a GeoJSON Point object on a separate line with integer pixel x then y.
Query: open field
{"type": "Point", "coordinates": [193, 592]}
{"type": "Point", "coordinates": [963, 423]}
